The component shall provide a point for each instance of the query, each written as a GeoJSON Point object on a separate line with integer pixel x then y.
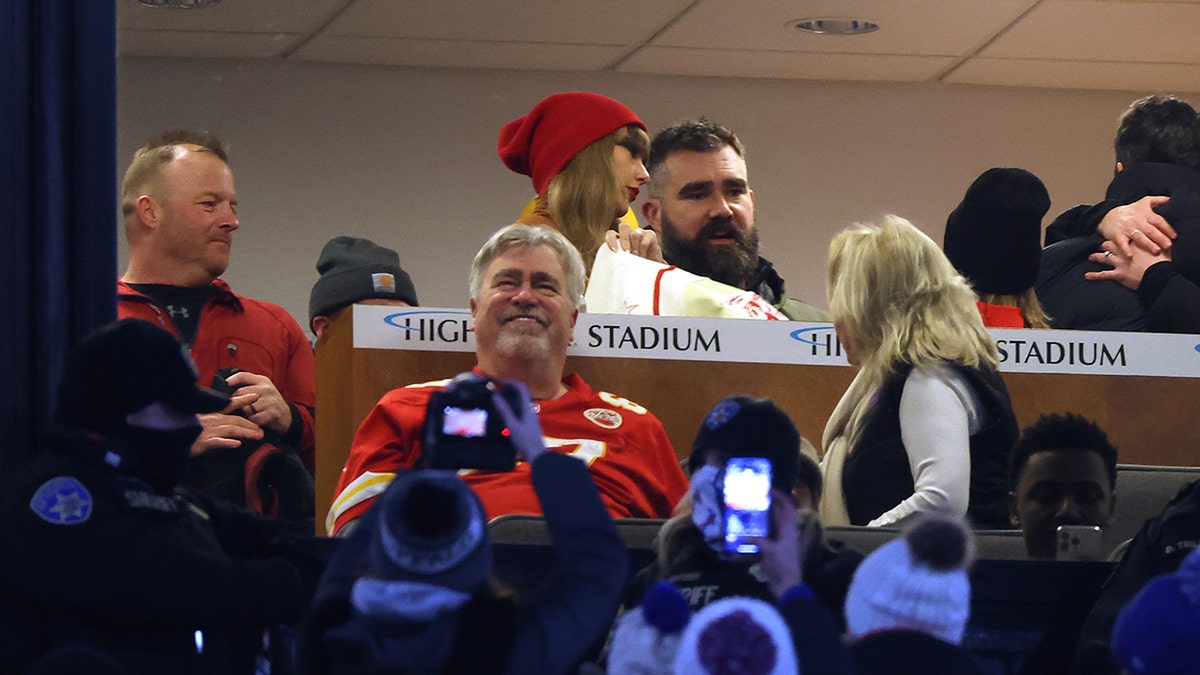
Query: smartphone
{"type": "Point", "coordinates": [746, 490]}
{"type": "Point", "coordinates": [1079, 542]}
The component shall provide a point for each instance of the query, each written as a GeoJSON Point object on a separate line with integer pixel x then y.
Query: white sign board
{"type": "Point", "coordinates": [785, 342]}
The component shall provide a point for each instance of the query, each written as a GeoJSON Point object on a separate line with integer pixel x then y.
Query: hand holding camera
{"type": "Point", "coordinates": [525, 429]}
{"type": "Point", "coordinates": [466, 427]}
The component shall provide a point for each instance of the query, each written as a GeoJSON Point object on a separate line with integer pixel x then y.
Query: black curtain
{"type": "Point", "coordinates": [57, 200]}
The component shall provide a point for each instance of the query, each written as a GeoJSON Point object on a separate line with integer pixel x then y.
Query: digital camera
{"type": "Point", "coordinates": [463, 429]}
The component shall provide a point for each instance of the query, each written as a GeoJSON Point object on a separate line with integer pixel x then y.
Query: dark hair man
{"type": "Point", "coordinates": [702, 208]}
{"type": "Point", "coordinates": [1063, 472]}
{"type": "Point", "coordinates": [180, 207]}
{"type": "Point", "coordinates": [1132, 262]}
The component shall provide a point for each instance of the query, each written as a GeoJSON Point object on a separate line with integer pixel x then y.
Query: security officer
{"type": "Point", "coordinates": [102, 549]}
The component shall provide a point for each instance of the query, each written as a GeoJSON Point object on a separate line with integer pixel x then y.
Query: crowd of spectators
{"type": "Point", "coordinates": [168, 525]}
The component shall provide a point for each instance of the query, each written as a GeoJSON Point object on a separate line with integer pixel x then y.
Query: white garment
{"type": "Point", "coordinates": [939, 412]}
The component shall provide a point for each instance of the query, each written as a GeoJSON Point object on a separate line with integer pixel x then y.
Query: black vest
{"type": "Point", "coordinates": [876, 476]}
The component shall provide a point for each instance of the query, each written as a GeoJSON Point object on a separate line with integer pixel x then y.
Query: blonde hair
{"type": "Point", "coordinates": [583, 198]}
{"type": "Point", "coordinates": [898, 299]}
{"type": "Point", "coordinates": [148, 162]}
{"type": "Point", "coordinates": [1027, 301]}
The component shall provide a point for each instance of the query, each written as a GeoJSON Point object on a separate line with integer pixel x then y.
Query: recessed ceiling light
{"type": "Point", "coordinates": [835, 26]}
{"type": "Point", "coordinates": [179, 4]}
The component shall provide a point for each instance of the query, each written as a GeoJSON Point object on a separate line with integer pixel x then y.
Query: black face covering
{"type": "Point", "coordinates": [159, 456]}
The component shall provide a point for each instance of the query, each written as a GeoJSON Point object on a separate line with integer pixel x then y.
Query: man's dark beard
{"type": "Point", "coordinates": [733, 265]}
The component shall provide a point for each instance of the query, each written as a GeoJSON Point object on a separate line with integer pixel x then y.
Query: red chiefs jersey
{"type": "Point", "coordinates": [625, 447]}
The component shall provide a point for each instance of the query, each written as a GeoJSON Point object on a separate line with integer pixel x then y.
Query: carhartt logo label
{"type": "Point", "coordinates": [383, 282]}
{"type": "Point", "coordinates": [604, 418]}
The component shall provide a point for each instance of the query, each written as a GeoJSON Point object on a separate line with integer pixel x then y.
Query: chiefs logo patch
{"type": "Point", "coordinates": [604, 418]}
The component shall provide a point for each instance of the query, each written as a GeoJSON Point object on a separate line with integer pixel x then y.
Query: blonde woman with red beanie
{"type": "Point", "coordinates": [585, 154]}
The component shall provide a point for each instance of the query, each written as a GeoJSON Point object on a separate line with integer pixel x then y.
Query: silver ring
{"type": "Point", "coordinates": [1134, 233]}
{"type": "Point", "coordinates": [1107, 255]}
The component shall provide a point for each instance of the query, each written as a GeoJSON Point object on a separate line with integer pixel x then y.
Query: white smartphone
{"type": "Point", "coordinates": [1079, 542]}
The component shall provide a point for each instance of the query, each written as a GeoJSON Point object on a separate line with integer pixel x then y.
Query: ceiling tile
{"type": "Point", "coordinates": [198, 44]}
{"type": "Point", "coordinates": [256, 16]}
{"type": "Point", "coordinates": [786, 65]}
{"type": "Point", "coordinates": [916, 27]}
{"type": "Point", "coordinates": [459, 54]}
{"type": "Point", "coordinates": [1136, 77]}
{"type": "Point", "coordinates": [610, 22]}
{"type": "Point", "coordinates": [1094, 30]}
{"type": "Point", "coordinates": [1132, 44]}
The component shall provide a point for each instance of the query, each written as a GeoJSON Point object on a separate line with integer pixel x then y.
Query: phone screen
{"type": "Point", "coordinates": [464, 422]}
{"type": "Point", "coordinates": [746, 489]}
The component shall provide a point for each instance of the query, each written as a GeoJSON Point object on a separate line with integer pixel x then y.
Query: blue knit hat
{"type": "Point", "coordinates": [431, 529]}
{"type": "Point", "coordinates": [1158, 632]}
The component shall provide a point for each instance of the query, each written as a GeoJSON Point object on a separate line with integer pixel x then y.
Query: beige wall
{"type": "Point", "coordinates": [406, 156]}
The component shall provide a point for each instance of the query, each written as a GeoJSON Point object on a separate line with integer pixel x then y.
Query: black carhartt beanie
{"type": "Point", "coordinates": [354, 269]}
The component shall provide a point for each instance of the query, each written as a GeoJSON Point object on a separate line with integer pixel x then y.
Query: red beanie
{"type": "Point", "coordinates": [541, 143]}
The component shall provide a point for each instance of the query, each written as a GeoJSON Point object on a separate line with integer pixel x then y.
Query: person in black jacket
{"type": "Point", "coordinates": [410, 590]}
{"type": "Point", "coordinates": [690, 545]}
{"type": "Point", "coordinates": [662, 636]}
{"type": "Point", "coordinates": [103, 551]}
{"type": "Point", "coordinates": [1132, 262]}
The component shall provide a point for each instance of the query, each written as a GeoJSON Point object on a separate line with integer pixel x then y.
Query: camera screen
{"type": "Point", "coordinates": [747, 494]}
{"type": "Point", "coordinates": [466, 423]}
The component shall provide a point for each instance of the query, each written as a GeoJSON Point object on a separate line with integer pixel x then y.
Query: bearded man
{"type": "Point", "coordinates": [702, 208]}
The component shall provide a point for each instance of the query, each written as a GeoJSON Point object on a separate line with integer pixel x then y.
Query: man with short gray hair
{"type": "Point", "coordinates": [526, 286]}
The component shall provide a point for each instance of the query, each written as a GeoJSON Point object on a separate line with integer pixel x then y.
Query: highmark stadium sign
{"type": "Point", "coordinates": [783, 342]}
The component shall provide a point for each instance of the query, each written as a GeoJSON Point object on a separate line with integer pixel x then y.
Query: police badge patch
{"type": "Point", "coordinates": [62, 501]}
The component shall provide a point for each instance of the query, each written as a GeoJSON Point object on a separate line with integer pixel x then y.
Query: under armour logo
{"type": "Point", "coordinates": [174, 311]}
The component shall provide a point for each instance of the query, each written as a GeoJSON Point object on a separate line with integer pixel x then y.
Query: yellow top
{"type": "Point", "coordinates": [527, 213]}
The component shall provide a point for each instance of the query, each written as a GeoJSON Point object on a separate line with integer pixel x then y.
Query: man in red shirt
{"type": "Point", "coordinates": [526, 289]}
{"type": "Point", "coordinates": [180, 208]}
